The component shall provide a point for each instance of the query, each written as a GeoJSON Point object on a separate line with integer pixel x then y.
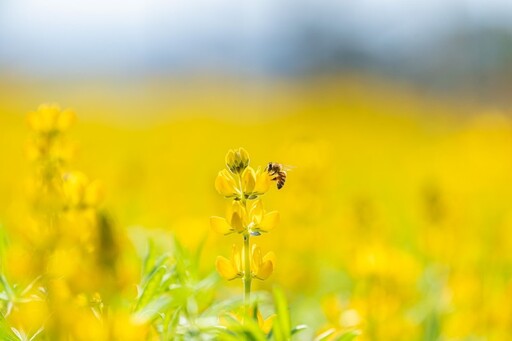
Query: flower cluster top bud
{"type": "Point", "coordinates": [48, 144]}
{"type": "Point", "coordinates": [50, 118]}
{"type": "Point", "coordinates": [237, 160]}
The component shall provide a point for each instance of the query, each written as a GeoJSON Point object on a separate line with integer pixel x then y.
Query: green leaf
{"type": "Point", "coordinates": [6, 334]}
{"type": "Point", "coordinates": [348, 336]}
{"type": "Point", "coordinates": [153, 308]}
{"type": "Point", "coordinates": [325, 334]}
{"type": "Point", "coordinates": [152, 287]}
{"type": "Point", "coordinates": [282, 324]}
{"type": "Point", "coordinates": [298, 329]}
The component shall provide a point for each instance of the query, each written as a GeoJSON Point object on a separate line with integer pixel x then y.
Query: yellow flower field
{"type": "Point", "coordinates": [122, 218]}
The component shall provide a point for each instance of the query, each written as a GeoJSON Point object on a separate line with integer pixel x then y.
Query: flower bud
{"type": "Point", "coordinates": [237, 160]}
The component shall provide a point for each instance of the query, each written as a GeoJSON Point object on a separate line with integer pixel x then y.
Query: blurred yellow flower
{"type": "Point", "coordinates": [29, 316]}
{"type": "Point", "coordinates": [79, 192]}
{"type": "Point", "coordinates": [342, 319]}
{"type": "Point", "coordinates": [126, 328]}
{"type": "Point", "coordinates": [50, 118]}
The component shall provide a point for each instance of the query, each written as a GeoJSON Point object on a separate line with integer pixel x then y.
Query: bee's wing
{"type": "Point", "coordinates": [288, 168]}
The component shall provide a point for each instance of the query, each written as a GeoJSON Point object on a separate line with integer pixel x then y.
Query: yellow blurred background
{"type": "Point", "coordinates": [393, 115]}
{"type": "Point", "coordinates": [397, 203]}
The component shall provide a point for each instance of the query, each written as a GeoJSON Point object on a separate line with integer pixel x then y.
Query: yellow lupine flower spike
{"type": "Point", "coordinates": [246, 216]}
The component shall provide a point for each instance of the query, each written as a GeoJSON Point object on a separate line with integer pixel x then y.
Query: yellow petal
{"type": "Point", "coordinates": [220, 225]}
{"type": "Point", "coordinates": [34, 121]}
{"type": "Point", "coordinates": [237, 222]}
{"type": "Point", "coordinates": [74, 185]}
{"type": "Point", "coordinates": [225, 184]}
{"type": "Point", "coordinates": [262, 267]}
{"type": "Point", "coordinates": [263, 181]}
{"type": "Point", "coordinates": [225, 268]}
{"type": "Point", "coordinates": [270, 256]}
{"type": "Point", "coordinates": [244, 156]}
{"type": "Point", "coordinates": [94, 193]}
{"type": "Point", "coordinates": [49, 114]}
{"type": "Point", "coordinates": [230, 159]}
{"type": "Point", "coordinates": [270, 220]}
{"type": "Point", "coordinates": [265, 270]}
{"type": "Point", "coordinates": [256, 258]}
{"type": "Point", "coordinates": [265, 324]}
{"type": "Point", "coordinates": [32, 151]}
{"type": "Point", "coordinates": [66, 119]}
{"type": "Point", "coordinates": [255, 209]}
{"type": "Point", "coordinates": [236, 206]}
{"type": "Point", "coordinates": [237, 160]}
{"type": "Point", "coordinates": [248, 180]}
{"type": "Point", "coordinates": [237, 217]}
{"type": "Point", "coordinates": [236, 258]}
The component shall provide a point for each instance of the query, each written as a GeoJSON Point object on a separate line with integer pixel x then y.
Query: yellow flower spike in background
{"type": "Point", "coordinates": [80, 192]}
{"type": "Point", "coordinates": [50, 118]}
{"type": "Point", "coordinates": [74, 185]}
{"type": "Point", "coordinates": [94, 193]}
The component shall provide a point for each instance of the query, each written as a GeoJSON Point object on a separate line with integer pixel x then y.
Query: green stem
{"type": "Point", "coordinates": [247, 276]}
{"type": "Point", "coordinates": [246, 259]}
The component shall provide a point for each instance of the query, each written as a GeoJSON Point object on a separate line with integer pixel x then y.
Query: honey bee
{"type": "Point", "coordinates": [278, 173]}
